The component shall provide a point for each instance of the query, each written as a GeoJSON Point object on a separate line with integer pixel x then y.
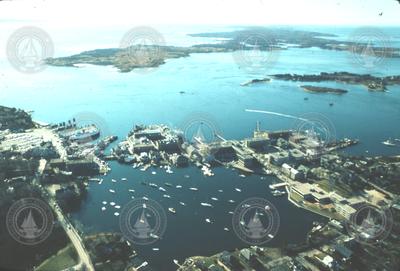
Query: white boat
{"type": "Point", "coordinates": [166, 196]}
{"type": "Point", "coordinates": [132, 197]}
{"type": "Point", "coordinates": [208, 220]}
{"type": "Point", "coordinates": [112, 203]}
{"type": "Point", "coordinates": [277, 193]}
{"type": "Point", "coordinates": [155, 249]}
{"type": "Point", "coordinates": [116, 214]}
{"type": "Point", "coordinates": [113, 180]}
{"type": "Point", "coordinates": [389, 143]}
{"type": "Point", "coordinates": [117, 207]}
{"type": "Point", "coordinates": [103, 208]}
{"type": "Point", "coordinates": [176, 262]}
{"type": "Point", "coordinates": [220, 191]}
{"type": "Point", "coordinates": [101, 181]}
{"type": "Point", "coordinates": [179, 186]}
{"type": "Point", "coordinates": [155, 236]}
{"type": "Point", "coordinates": [182, 203]}
{"type": "Point", "coordinates": [186, 176]}
{"type": "Point", "coordinates": [104, 202]}
{"type": "Point", "coordinates": [205, 204]}
{"type": "Point", "coordinates": [231, 201]}
{"type": "Point", "coordinates": [145, 198]}
{"type": "Point", "coordinates": [124, 179]}
{"type": "Point", "coordinates": [230, 212]}
{"type": "Point", "coordinates": [242, 176]}
{"type": "Point", "coordinates": [153, 172]}
{"type": "Point", "coordinates": [153, 185]}
{"type": "Point", "coordinates": [193, 189]}
{"type": "Point", "coordinates": [111, 191]}
{"type": "Point", "coordinates": [226, 229]}
{"type": "Point", "coordinates": [270, 236]}
{"type": "Point", "coordinates": [131, 190]}
{"type": "Point", "coordinates": [172, 210]}
{"type": "Point", "coordinates": [162, 189]}
{"type": "Point", "coordinates": [238, 190]}
{"type": "Point", "coordinates": [214, 199]}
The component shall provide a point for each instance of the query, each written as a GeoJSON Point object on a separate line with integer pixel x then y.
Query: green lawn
{"type": "Point", "coordinates": [65, 258]}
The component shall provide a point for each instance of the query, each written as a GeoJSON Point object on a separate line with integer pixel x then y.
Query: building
{"type": "Point", "coordinates": [278, 158]}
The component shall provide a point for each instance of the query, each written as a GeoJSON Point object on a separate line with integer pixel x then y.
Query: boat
{"type": "Point", "coordinates": [117, 207]}
{"type": "Point", "coordinates": [220, 191]}
{"type": "Point", "coordinates": [153, 172]}
{"type": "Point", "coordinates": [101, 181]}
{"type": "Point", "coordinates": [103, 208]}
{"type": "Point", "coordinates": [230, 212]}
{"type": "Point", "coordinates": [182, 203]}
{"type": "Point", "coordinates": [214, 199]}
{"type": "Point", "coordinates": [193, 188]}
{"type": "Point", "coordinates": [226, 229]}
{"type": "Point", "coordinates": [205, 204]}
{"type": "Point", "coordinates": [179, 186]}
{"type": "Point", "coordinates": [116, 214]}
{"type": "Point", "coordinates": [153, 185]}
{"type": "Point", "coordinates": [389, 143]}
{"type": "Point", "coordinates": [131, 190]}
{"type": "Point", "coordinates": [176, 262]}
{"type": "Point", "coordinates": [278, 193]}
{"type": "Point", "coordinates": [113, 180]}
{"type": "Point", "coordinates": [104, 202]}
{"type": "Point", "coordinates": [111, 191]}
{"type": "Point", "coordinates": [186, 176]}
{"type": "Point", "coordinates": [270, 236]}
{"type": "Point", "coordinates": [162, 189]}
{"type": "Point", "coordinates": [112, 203]}
{"type": "Point", "coordinates": [168, 184]}
{"type": "Point", "coordinates": [155, 236]}
{"type": "Point", "coordinates": [231, 201]}
{"type": "Point", "coordinates": [168, 170]}
{"type": "Point", "coordinates": [166, 196]}
{"type": "Point", "coordinates": [145, 198]}
{"type": "Point", "coordinates": [155, 249]}
{"type": "Point", "coordinates": [124, 179]}
{"type": "Point", "coordinates": [242, 176]}
{"type": "Point", "coordinates": [85, 134]}
{"type": "Point", "coordinates": [238, 190]}
{"type": "Point", "coordinates": [172, 210]}
{"type": "Point", "coordinates": [208, 220]}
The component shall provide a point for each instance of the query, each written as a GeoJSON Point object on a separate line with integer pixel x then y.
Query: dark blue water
{"type": "Point", "coordinates": [211, 83]}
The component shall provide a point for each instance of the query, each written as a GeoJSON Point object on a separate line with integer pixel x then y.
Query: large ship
{"type": "Point", "coordinates": [85, 134]}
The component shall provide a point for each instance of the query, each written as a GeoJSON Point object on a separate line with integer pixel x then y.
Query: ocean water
{"type": "Point", "coordinates": [211, 83]}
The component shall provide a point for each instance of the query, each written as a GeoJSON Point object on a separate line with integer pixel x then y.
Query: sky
{"type": "Point", "coordinates": [67, 13]}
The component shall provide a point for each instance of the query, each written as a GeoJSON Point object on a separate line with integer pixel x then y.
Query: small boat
{"type": "Point", "coordinates": [186, 176]}
{"type": "Point", "coordinates": [230, 212]}
{"type": "Point", "coordinates": [168, 170]}
{"type": "Point", "coordinates": [162, 189]}
{"type": "Point", "coordinates": [112, 203]}
{"type": "Point", "coordinates": [238, 190]}
{"type": "Point", "coordinates": [104, 202]}
{"type": "Point", "coordinates": [124, 179]}
{"type": "Point", "coordinates": [270, 236]}
{"type": "Point", "coordinates": [205, 204]}
{"type": "Point", "coordinates": [117, 207]}
{"type": "Point", "coordinates": [166, 196]}
{"type": "Point", "coordinates": [131, 190]}
{"type": "Point", "coordinates": [389, 143]}
{"type": "Point", "coordinates": [153, 172]}
{"type": "Point", "coordinates": [111, 191]}
{"type": "Point", "coordinates": [193, 188]}
{"type": "Point", "coordinates": [132, 197]}
{"type": "Point", "coordinates": [277, 193]}
{"type": "Point", "coordinates": [214, 199]}
{"type": "Point", "coordinates": [103, 208]}
{"type": "Point", "coordinates": [172, 210]}
{"type": "Point", "coordinates": [176, 262]}
{"type": "Point", "coordinates": [231, 201]}
{"type": "Point", "coordinates": [226, 229]}
{"type": "Point", "coordinates": [179, 186]}
{"type": "Point", "coordinates": [155, 236]}
{"type": "Point", "coordinates": [116, 214]}
{"type": "Point", "coordinates": [220, 191]}
{"type": "Point", "coordinates": [208, 220]}
{"type": "Point", "coordinates": [182, 203]}
{"type": "Point", "coordinates": [101, 181]}
{"type": "Point", "coordinates": [113, 180]}
{"type": "Point", "coordinates": [145, 198]}
{"type": "Point", "coordinates": [242, 176]}
{"type": "Point", "coordinates": [153, 185]}
{"type": "Point", "coordinates": [168, 184]}
{"type": "Point", "coordinates": [155, 249]}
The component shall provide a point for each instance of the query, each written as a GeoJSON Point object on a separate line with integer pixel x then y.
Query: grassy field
{"type": "Point", "coordinates": [65, 258]}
